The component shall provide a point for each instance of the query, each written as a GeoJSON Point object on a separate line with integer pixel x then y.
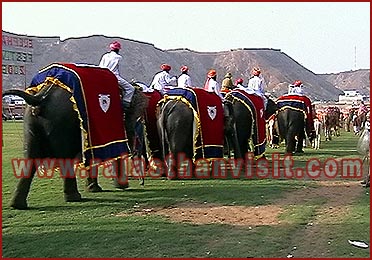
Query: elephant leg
{"type": "Point", "coordinates": [32, 149]}
{"type": "Point", "coordinates": [180, 166]}
{"type": "Point", "coordinates": [299, 146]}
{"type": "Point", "coordinates": [172, 166]}
{"type": "Point", "coordinates": [91, 182]}
{"type": "Point", "coordinates": [290, 141]}
{"type": "Point", "coordinates": [243, 135]}
{"type": "Point", "coordinates": [92, 185]}
{"type": "Point", "coordinates": [300, 143]}
{"type": "Point", "coordinates": [70, 190]}
{"type": "Point", "coordinates": [139, 168]}
{"type": "Point", "coordinates": [19, 199]}
{"type": "Point", "coordinates": [121, 177]}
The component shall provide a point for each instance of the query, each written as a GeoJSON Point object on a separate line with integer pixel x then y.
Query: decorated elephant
{"type": "Point", "coordinates": [291, 124]}
{"type": "Point", "coordinates": [54, 125]}
{"type": "Point", "coordinates": [294, 117]}
{"type": "Point", "coordinates": [192, 123]}
{"type": "Point", "coordinates": [250, 117]}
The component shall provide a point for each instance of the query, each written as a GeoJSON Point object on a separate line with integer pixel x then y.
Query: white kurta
{"type": "Point", "coordinates": [295, 90]}
{"type": "Point", "coordinates": [184, 81]}
{"type": "Point", "coordinates": [212, 86]}
{"type": "Point", "coordinates": [161, 80]}
{"type": "Point", "coordinates": [111, 61]}
{"type": "Point", "coordinates": [256, 85]}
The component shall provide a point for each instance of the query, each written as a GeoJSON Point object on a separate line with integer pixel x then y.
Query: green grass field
{"type": "Point", "coordinates": [314, 220]}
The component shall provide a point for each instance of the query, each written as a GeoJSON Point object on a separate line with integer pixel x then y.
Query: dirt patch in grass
{"type": "Point", "coordinates": [332, 202]}
{"type": "Point", "coordinates": [197, 213]}
{"type": "Point", "coordinates": [335, 194]}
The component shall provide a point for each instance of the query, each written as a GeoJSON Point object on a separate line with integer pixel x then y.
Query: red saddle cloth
{"type": "Point", "coordinates": [211, 116]}
{"type": "Point", "coordinates": [208, 115]}
{"type": "Point", "coordinates": [255, 104]}
{"type": "Point", "coordinates": [96, 98]}
{"type": "Point", "coordinates": [303, 103]}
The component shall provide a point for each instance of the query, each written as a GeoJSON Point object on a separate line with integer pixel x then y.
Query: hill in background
{"type": "Point", "coordinates": [142, 60]}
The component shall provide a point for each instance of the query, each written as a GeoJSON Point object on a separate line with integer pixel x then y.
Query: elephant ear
{"type": "Point", "coordinates": [138, 104]}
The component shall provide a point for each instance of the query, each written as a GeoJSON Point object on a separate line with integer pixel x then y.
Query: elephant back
{"type": "Point", "coordinates": [208, 115]}
{"type": "Point", "coordinates": [97, 102]}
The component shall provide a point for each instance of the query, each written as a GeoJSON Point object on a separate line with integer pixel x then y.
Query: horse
{"type": "Point", "coordinates": [331, 122]}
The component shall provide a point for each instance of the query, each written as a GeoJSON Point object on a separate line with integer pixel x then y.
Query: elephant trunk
{"type": "Point", "coordinates": [30, 99]}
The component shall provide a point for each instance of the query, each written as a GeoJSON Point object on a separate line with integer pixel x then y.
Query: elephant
{"type": "Point", "coordinates": [295, 115]}
{"type": "Point", "coordinates": [52, 130]}
{"type": "Point", "coordinates": [291, 124]}
{"type": "Point", "coordinates": [176, 129]}
{"type": "Point", "coordinates": [243, 126]}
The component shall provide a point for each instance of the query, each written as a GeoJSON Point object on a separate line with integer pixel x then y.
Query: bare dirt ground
{"type": "Point", "coordinates": [336, 196]}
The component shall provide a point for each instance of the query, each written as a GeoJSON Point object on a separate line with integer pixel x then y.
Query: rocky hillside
{"type": "Point", "coordinates": [142, 61]}
{"type": "Point", "coordinates": [349, 80]}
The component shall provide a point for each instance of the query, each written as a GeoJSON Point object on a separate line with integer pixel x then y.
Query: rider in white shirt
{"type": "Point", "coordinates": [163, 79]}
{"type": "Point", "coordinates": [111, 61]}
{"type": "Point", "coordinates": [257, 85]}
{"type": "Point", "coordinates": [211, 85]}
{"type": "Point", "coordinates": [184, 80]}
{"type": "Point", "coordinates": [296, 88]}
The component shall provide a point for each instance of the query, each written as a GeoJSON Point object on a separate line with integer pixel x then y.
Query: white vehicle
{"type": "Point", "coordinates": [14, 100]}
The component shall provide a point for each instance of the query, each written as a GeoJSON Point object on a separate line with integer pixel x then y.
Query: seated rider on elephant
{"type": "Point", "coordinates": [163, 79]}
{"type": "Point", "coordinates": [256, 85]}
{"type": "Point", "coordinates": [211, 84]}
{"type": "Point", "coordinates": [184, 80]}
{"type": "Point", "coordinates": [111, 60]}
{"type": "Point", "coordinates": [227, 84]}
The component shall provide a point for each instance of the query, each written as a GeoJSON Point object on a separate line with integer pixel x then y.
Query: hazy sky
{"type": "Point", "coordinates": [323, 37]}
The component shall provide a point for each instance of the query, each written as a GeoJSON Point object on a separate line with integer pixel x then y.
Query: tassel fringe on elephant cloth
{"type": "Point", "coordinates": [96, 99]}
{"type": "Point", "coordinates": [255, 105]}
{"type": "Point", "coordinates": [208, 120]}
{"type": "Point", "coordinates": [301, 103]}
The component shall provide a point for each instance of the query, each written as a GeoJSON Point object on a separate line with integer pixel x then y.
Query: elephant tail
{"type": "Point", "coordinates": [30, 99]}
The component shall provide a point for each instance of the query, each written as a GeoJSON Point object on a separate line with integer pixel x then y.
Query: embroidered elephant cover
{"type": "Point", "coordinates": [96, 99]}
{"type": "Point", "coordinates": [209, 118]}
{"type": "Point", "coordinates": [254, 103]}
{"type": "Point", "coordinates": [300, 103]}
